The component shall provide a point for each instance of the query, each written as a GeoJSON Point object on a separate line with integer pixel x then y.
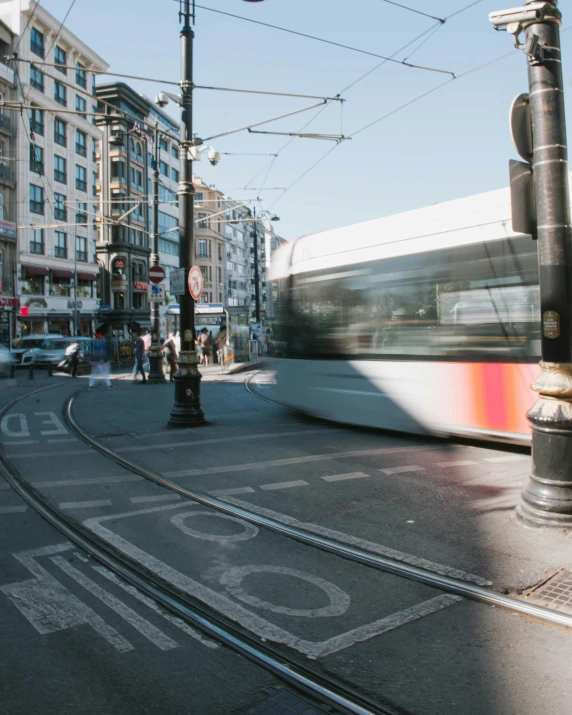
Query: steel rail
{"type": "Point", "coordinates": [395, 567]}
{"type": "Point", "coordinates": [321, 687]}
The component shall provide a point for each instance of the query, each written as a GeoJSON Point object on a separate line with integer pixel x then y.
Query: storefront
{"type": "Point", "coordinates": [8, 308]}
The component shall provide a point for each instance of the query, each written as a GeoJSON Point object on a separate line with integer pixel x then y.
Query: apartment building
{"type": "Point", "coordinates": [210, 239]}
{"type": "Point", "coordinates": [9, 302]}
{"type": "Point", "coordinates": [56, 171]}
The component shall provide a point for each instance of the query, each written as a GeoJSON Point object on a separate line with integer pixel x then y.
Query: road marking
{"type": "Point", "coordinates": [12, 509]}
{"type": "Point", "coordinates": [228, 607]}
{"type": "Point", "coordinates": [22, 441]}
{"type": "Point", "coordinates": [35, 455]}
{"type": "Point", "coordinates": [52, 420]}
{"type": "Point", "coordinates": [22, 432]}
{"type": "Point", "coordinates": [284, 485]}
{"type": "Point", "coordinates": [339, 600]}
{"type": "Point", "coordinates": [232, 492]}
{"type": "Point", "coordinates": [49, 606]}
{"type": "Point", "coordinates": [460, 463]}
{"type": "Point", "coordinates": [361, 543]}
{"type": "Point", "coordinates": [61, 441]}
{"type": "Point", "coordinates": [293, 460]}
{"type": "Point", "coordinates": [81, 482]}
{"type": "Point", "coordinates": [157, 637]}
{"type": "Point", "coordinates": [508, 458]}
{"type": "Point", "coordinates": [403, 470]}
{"type": "Point", "coordinates": [158, 497]}
{"type": "Point", "coordinates": [249, 530]}
{"type": "Point", "coordinates": [343, 477]}
{"type": "Point", "coordinates": [84, 504]}
{"type": "Point", "coordinates": [153, 606]}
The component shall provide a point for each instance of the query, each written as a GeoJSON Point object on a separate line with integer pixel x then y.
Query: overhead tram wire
{"type": "Point", "coordinates": [417, 12]}
{"type": "Point", "coordinates": [467, 7]}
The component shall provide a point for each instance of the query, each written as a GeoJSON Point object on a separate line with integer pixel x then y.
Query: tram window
{"type": "Point", "coordinates": [471, 302]}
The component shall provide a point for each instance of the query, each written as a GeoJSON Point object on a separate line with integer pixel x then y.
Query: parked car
{"type": "Point", "coordinates": [30, 344]}
{"type": "Point", "coordinates": [6, 362]}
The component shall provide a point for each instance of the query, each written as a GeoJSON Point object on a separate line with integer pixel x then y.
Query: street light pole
{"type": "Point", "coordinates": [156, 374]}
{"type": "Point", "coordinates": [187, 410]}
{"type": "Point", "coordinates": [256, 270]}
{"type": "Point", "coordinates": [547, 500]}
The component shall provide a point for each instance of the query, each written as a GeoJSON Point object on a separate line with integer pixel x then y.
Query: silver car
{"type": "Point", "coordinates": [39, 350]}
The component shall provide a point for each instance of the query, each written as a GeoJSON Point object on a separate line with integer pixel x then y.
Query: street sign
{"type": "Point", "coordinates": [521, 126]}
{"type": "Point", "coordinates": [156, 274]}
{"type": "Point", "coordinates": [105, 309]}
{"type": "Point", "coordinates": [156, 293]}
{"type": "Point", "coordinates": [522, 198]}
{"type": "Point", "coordinates": [195, 281]}
{"type": "Point", "coordinates": [177, 286]}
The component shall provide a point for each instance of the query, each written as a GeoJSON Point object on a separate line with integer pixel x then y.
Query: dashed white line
{"type": "Point", "coordinates": [158, 497]}
{"type": "Point", "coordinates": [508, 458]}
{"type": "Point", "coordinates": [343, 477]}
{"type": "Point", "coordinates": [284, 485]}
{"type": "Point", "coordinates": [61, 441]}
{"type": "Point", "coordinates": [232, 492]}
{"type": "Point", "coordinates": [84, 504]}
{"type": "Point", "coordinates": [460, 463]}
{"type": "Point", "coordinates": [21, 441]}
{"type": "Point", "coordinates": [12, 509]}
{"type": "Point", "coordinates": [403, 470]}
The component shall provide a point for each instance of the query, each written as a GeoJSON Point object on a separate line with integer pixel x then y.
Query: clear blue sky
{"type": "Point", "coordinates": [453, 143]}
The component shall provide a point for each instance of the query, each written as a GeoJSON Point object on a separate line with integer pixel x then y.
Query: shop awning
{"type": "Point", "coordinates": [87, 276]}
{"type": "Point", "coordinates": [61, 273]}
{"type": "Point", "coordinates": [35, 270]}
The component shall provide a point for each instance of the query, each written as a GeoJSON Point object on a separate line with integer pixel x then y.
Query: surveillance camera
{"type": "Point", "coordinates": [519, 17]}
{"type": "Point", "coordinates": [161, 99]}
{"type": "Point", "coordinates": [213, 157]}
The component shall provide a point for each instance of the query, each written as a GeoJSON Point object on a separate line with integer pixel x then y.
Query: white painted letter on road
{"type": "Point", "coordinates": [52, 420]}
{"type": "Point", "coordinates": [22, 432]}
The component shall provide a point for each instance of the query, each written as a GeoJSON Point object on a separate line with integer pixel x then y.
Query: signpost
{"type": "Point", "coordinates": [156, 293]}
{"type": "Point", "coordinates": [195, 281]}
{"type": "Point", "coordinates": [156, 274]}
{"type": "Point", "coordinates": [177, 280]}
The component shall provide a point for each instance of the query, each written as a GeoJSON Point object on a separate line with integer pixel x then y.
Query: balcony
{"type": "Point", "coordinates": [80, 185]}
{"type": "Point", "coordinates": [60, 252]}
{"type": "Point", "coordinates": [37, 248]}
{"type": "Point", "coordinates": [60, 176]}
{"type": "Point", "coordinates": [81, 256]}
{"type": "Point", "coordinates": [80, 149]}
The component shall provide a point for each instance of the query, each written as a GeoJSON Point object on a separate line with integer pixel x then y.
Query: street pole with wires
{"type": "Point", "coordinates": [256, 270]}
{"type": "Point", "coordinates": [156, 374]}
{"type": "Point", "coordinates": [187, 410]}
{"type": "Point", "coordinates": [547, 500]}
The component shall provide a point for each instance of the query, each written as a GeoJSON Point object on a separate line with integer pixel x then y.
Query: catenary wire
{"type": "Point", "coordinates": [412, 9]}
{"type": "Point", "coordinates": [467, 7]}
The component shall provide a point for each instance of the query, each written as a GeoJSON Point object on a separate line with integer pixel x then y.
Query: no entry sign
{"type": "Point", "coordinates": [156, 274]}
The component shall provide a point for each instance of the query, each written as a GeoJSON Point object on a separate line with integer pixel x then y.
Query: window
{"type": "Point", "coordinates": [220, 251]}
{"type": "Point", "coordinates": [60, 286]}
{"type": "Point", "coordinates": [60, 211]}
{"type": "Point", "coordinates": [118, 170]}
{"type": "Point", "coordinates": [37, 200]}
{"type": "Point", "coordinates": [175, 175]}
{"type": "Point", "coordinates": [94, 149]}
{"type": "Point", "coordinates": [36, 79]}
{"type": "Point", "coordinates": [201, 247]}
{"type": "Point", "coordinates": [32, 285]}
{"type": "Point", "coordinates": [81, 248]}
{"type": "Point", "coordinates": [119, 301]}
{"type": "Point", "coordinates": [60, 245]}
{"type": "Point", "coordinates": [36, 121]}
{"type": "Point", "coordinates": [174, 151]}
{"type": "Point", "coordinates": [94, 112]}
{"type": "Point", "coordinates": [37, 42]}
{"type": "Point", "coordinates": [206, 271]}
{"type": "Point", "coordinates": [60, 58]}
{"type": "Point", "coordinates": [139, 301]}
{"type": "Point", "coordinates": [202, 221]}
{"type": "Point", "coordinates": [163, 144]}
{"type": "Point", "coordinates": [94, 184]}
{"type": "Point", "coordinates": [84, 288]}
{"type": "Point", "coordinates": [60, 93]}
{"type": "Point", "coordinates": [198, 196]}
{"type": "Point", "coordinates": [60, 169]}
{"type": "Point", "coordinates": [60, 132]}
{"type": "Point", "coordinates": [37, 241]}
{"type": "Point", "coordinates": [36, 159]}
{"type": "Point", "coordinates": [163, 168]}
{"type": "Point", "coordinates": [80, 143]}
{"type": "Point", "coordinates": [80, 178]}
{"type": "Point", "coordinates": [80, 106]}
{"type": "Point", "coordinates": [81, 212]}
{"type": "Point", "coordinates": [80, 75]}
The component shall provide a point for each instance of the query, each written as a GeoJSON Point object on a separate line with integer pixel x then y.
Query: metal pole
{"type": "Point", "coordinates": [156, 374]}
{"type": "Point", "coordinates": [256, 274]}
{"type": "Point", "coordinates": [187, 410]}
{"type": "Point", "coordinates": [75, 321]}
{"type": "Point", "coordinates": [547, 500]}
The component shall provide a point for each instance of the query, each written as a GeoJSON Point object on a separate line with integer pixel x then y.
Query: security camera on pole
{"type": "Point", "coordinates": [540, 127]}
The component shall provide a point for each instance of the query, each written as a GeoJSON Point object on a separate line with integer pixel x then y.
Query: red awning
{"type": "Point", "coordinates": [87, 276]}
{"type": "Point", "coordinates": [35, 270]}
{"type": "Point", "coordinates": [60, 273]}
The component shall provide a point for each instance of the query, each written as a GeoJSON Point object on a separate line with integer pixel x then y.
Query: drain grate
{"type": "Point", "coordinates": [283, 702]}
{"type": "Point", "coordinates": [555, 593]}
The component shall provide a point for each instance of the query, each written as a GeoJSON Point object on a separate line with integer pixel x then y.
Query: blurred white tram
{"type": "Point", "coordinates": [426, 321]}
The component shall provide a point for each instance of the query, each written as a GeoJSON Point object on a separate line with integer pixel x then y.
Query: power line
{"type": "Point", "coordinates": [417, 12]}
{"type": "Point", "coordinates": [458, 12]}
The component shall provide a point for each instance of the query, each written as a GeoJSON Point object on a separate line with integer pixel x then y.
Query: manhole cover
{"type": "Point", "coordinates": [554, 593]}
{"type": "Point", "coordinates": [283, 702]}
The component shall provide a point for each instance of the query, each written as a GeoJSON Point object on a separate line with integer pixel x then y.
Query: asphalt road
{"type": "Point", "coordinates": [80, 641]}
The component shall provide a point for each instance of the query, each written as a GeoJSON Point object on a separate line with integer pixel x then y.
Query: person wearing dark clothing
{"type": "Point", "coordinates": [171, 355]}
{"type": "Point", "coordinates": [205, 341]}
{"type": "Point", "coordinates": [72, 358]}
{"type": "Point", "coordinates": [139, 350]}
{"type": "Point", "coordinates": [101, 357]}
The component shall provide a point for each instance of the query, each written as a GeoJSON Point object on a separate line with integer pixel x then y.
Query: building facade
{"type": "Point", "coordinates": [211, 239]}
{"type": "Point", "coordinates": [56, 173]}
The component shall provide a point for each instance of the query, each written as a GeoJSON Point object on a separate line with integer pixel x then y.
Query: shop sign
{"type": "Point", "coordinates": [139, 285]}
{"type": "Point", "coordinates": [7, 228]}
{"type": "Point", "coordinates": [119, 264]}
{"type": "Point", "coordinates": [9, 302]}
{"type": "Point", "coordinates": [74, 304]}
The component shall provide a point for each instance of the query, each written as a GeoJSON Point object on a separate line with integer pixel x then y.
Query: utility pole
{"type": "Point", "coordinates": [187, 410]}
{"type": "Point", "coordinates": [156, 374]}
{"type": "Point", "coordinates": [547, 500]}
{"type": "Point", "coordinates": [256, 270]}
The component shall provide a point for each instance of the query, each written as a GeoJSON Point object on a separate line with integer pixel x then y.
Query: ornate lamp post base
{"type": "Point", "coordinates": [187, 410]}
{"type": "Point", "coordinates": [547, 501]}
{"type": "Point", "coordinates": [156, 374]}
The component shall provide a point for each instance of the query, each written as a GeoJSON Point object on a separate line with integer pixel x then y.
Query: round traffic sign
{"type": "Point", "coordinates": [156, 274]}
{"type": "Point", "coordinates": [195, 281]}
{"type": "Point", "coordinates": [521, 126]}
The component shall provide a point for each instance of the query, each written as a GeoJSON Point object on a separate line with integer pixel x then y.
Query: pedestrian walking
{"type": "Point", "coordinates": [100, 360]}
{"type": "Point", "coordinates": [72, 356]}
{"type": "Point", "coordinates": [205, 342]}
{"type": "Point", "coordinates": [171, 354]}
{"type": "Point", "coordinates": [139, 351]}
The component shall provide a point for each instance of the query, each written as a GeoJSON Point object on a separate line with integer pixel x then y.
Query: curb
{"type": "Point", "coordinates": [245, 367]}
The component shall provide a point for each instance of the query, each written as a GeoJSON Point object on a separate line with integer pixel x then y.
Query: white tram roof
{"type": "Point", "coordinates": [475, 219]}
